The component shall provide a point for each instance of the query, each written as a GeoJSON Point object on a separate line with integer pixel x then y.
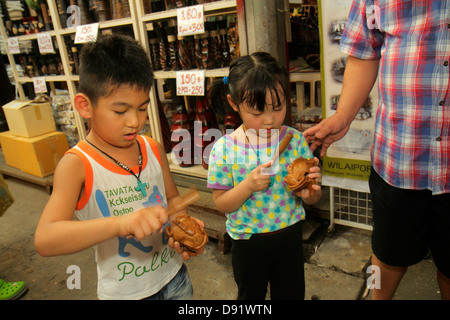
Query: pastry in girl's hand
{"type": "Point", "coordinates": [297, 178]}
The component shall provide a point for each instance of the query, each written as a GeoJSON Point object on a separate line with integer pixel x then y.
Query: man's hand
{"type": "Point", "coordinates": [326, 132]}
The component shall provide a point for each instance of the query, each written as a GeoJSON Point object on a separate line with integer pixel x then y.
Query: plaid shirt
{"type": "Point", "coordinates": [411, 148]}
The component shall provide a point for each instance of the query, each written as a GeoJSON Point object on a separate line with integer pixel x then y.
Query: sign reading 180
{"type": "Point", "coordinates": [190, 20]}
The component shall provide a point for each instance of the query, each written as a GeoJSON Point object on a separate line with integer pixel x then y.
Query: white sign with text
{"type": "Point", "coordinates": [39, 84]}
{"type": "Point", "coordinates": [45, 43]}
{"type": "Point", "coordinates": [86, 33]}
{"type": "Point", "coordinates": [191, 83]}
{"type": "Point", "coordinates": [13, 45]}
{"type": "Point", "coordinates": [190, 20]}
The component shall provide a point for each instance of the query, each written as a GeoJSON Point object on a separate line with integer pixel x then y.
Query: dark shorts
{"type": "Point", "coordinates": [275, 259]}
{"type": "Point", "coordinates": [409, 223]}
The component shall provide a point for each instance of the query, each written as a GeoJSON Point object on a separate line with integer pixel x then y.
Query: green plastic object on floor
{"type": "Point", "coordinates": [12, 290]}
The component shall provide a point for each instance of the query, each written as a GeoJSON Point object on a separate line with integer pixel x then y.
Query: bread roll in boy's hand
{"type": "Point", "coordinates": [185, 230]}
{"type": "Point", "coordinates": [297, 178]}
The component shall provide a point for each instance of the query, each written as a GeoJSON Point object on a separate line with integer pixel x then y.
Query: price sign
{"type": "Point", "coordinates": [191, 83]}
{"type": "Point", "coordinates": [190, 20]}
{"type": "Point", "coordinates": [13, 45]}
{"type": "Point", "coordinates": [39, 84]}
{"type": "Point", "coordinates": [45, 43]}
{"type": "Point", "coordinates": [86, 33]}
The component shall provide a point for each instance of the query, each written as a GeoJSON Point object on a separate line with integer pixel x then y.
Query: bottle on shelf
{"type": "Point", "coordinates": [217, 61]}
{"type": "Point", "coordinates": [233, 40]}
{"type": "Point", "coordinates": [163, 49]}
{"type": "Point", "coordinates": [207, 56]}
{"type": "Point", "coordinates": [165, 128]}
{"type": "Point", "coordinates": [185, 52]}
{"type": "Point", "coordinates": [47, 21]}
{"type": "Point", "coordinates": [198, 51]}
{"type": "Point", "coordinates": [154, 43]}
{"type": "Point", "coordinates": [172, 44]}
{"type": "Point", "coordinates": [182, 129]}
{"type": "Point", "coordinates": [223, 43]}
{"type": "Point", "coordinates": [62, 12]}
{"type": "Point", "coordinates": [203, 118]}
{"type": "Point", "coordinates": [72, 53]}
{"type": "Point", "coordinates": [120, 9]}
{"type": "Point", "coordinates": [101, 9]}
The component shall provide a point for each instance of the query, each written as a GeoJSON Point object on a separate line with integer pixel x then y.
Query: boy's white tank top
{"type": "Point", "coordinates": [126, 268]}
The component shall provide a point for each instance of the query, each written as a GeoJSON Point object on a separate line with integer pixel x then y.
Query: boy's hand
{"type": "Point", "coordinates": [186, 254]}
{"type": "Point", "coordinates": [142, 223]}
{"type": "Point", "coordinates": [257, 180]}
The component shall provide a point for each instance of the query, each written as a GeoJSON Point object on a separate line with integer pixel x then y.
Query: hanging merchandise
{"type": "Point", "coordinates": [200, 126]}
{"type": "Point", "coordinates": [101, 9]}
{"type": "Point", "coordinates": [62, 8]}
{"type": "Point", "coordinates": [163, 49]}
{"type": "Point", "coordinates": [233, 40]}
{"type": "Point", "coordinates": [215, 47]}
{"type": "Point", "coordinates": [182, 142]}
{"type": "Point", "coordinates": [120, 9]}
{"type": "Point", "coordinates": [84, 12]}
{"type": "Point", "coordinates": [185, 52]}
{"type": "Point", "coordinates": [47, 21]}
{"type": "Point", "coordinates": [170, 4]}
{"type": "Point", "coordinates": [172, 45]}
{"type": "Point", "coordinates": [205, 47]}
{"type": "Point", "coordinates": [154, 42]}
{"type": "Point", "coordinates": [223, 43]}
{"type": "Point", "coordinates": [204, 120]}
{"type": "Point", "coordinates": [198, 51]}
{"type": "Point", "coordinates": [165, 128]}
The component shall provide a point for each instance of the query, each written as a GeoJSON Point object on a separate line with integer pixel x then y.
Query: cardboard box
{"type": "Point", "coordinates": [38, 155]}
{"type": "Point", "coordinates": [9, 149]}
{"type": "Point", "coordinates": [29, 119]}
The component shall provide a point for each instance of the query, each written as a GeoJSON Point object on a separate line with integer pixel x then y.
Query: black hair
{"type": "Point", "coordinates": [112, 61]}
{"type": "Point", "coordinates": [249, 79]}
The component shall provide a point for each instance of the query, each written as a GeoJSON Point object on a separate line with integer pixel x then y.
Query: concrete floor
{"type": "Point", "coordinates": [334, 269]}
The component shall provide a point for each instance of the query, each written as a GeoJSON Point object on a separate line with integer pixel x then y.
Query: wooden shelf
{"type": "Point", "coordinates": [55, 78]}
{"type": "Point", "coordinates": [195, 171]}
{"type": "Point", "coordinates": [209, 73]}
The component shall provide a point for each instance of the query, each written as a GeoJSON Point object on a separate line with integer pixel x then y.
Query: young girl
{"type": "Point", "coordinates": [247, 178]}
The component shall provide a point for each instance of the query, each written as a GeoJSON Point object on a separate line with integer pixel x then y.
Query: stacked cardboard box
{"type": "Point", "coordinates": [32, 144]}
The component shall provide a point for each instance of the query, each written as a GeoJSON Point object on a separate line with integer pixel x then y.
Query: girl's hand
{"type": "Point", "coordinates": [142, 223]}
{"type": "Point", "coordinates": [257, 180]}
{"type": "Point", "coordinates": [316, 175]}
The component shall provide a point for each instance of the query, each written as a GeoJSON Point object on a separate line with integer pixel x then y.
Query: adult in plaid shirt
{"type": "Point", "coordinates": [407, 45]}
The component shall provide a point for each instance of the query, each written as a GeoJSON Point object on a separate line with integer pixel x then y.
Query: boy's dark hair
{"type": "Point", "coordinates": [249, 79]}
{"type": "Point", "coordinates": [112, 61]}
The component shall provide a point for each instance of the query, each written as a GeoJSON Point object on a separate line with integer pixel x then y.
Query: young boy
{"type": "Point", "coordinates": [117, 182]}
